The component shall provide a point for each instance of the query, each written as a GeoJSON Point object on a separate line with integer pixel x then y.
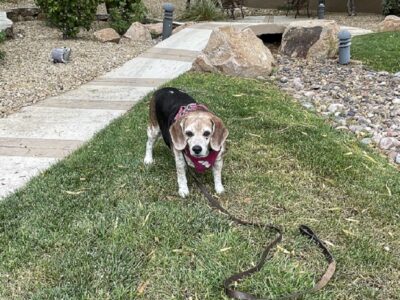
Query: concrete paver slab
{"type": "Point", "coordinates": [16, 171]}
{"type": "Point", "coordinates": [172, 54]}
{"type": "Point", "coordinates": [56, 123]}
{"type": "Point", "coordinates": [142, 67]}
{"type": "Point", "coordinates": [187, 39]}
{"type": "Point", "coordinates": [37, 147]}
{"type": "Point", "coordinates": [110, 92]}
{"type": "Point", "coordinates": [87, 104]}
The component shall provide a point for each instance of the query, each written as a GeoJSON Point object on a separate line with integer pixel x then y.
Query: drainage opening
{"type": "Point", "coordinates": [272, 41]}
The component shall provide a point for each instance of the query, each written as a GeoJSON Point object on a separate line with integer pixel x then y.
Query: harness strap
{"type": "Point", "coordinates": [304, 230]}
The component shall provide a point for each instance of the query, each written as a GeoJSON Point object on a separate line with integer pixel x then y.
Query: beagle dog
{"type": "Point", "coordinates": [194, 134]}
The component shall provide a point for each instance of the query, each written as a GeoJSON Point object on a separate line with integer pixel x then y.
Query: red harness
{"type": "Point", "coordinates": [201, 164]}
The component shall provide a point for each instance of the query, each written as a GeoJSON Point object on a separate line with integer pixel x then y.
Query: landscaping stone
{"type": "Point", "coordinates": [24, 14]}
{"type": "Point", "coordinates": [387, 143]}
{"type": "Point", "coordinates": [391, 23]}
{"type": "Point", "coordinates": [397, 158]}
{"type": "Point", "coordinates": [6, 24]}
{"type": "Point", "coordinates": [155, 28]}
{"type": "Point", "coordinates": [228, 52]}
{"type": "Point", "coordinates": [315, 39]}
{"type": "Point", "coordinates": [138, 32]}
{"type": "Point", "coordinates": [356, 97]}
{"type": "Point", "coordinates": [107, 35]}
{"type": "Point", "coordinates": [366, 141]}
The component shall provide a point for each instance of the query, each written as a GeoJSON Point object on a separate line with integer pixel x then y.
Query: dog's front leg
{"type": "Point", "coordinates": [217, 170]}
{"type": "Point", "coordinates": [181, 173]}
{"type": "Point", "coordinates": [153, 133]}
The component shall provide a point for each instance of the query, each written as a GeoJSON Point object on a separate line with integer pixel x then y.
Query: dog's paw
{"type": "Point", "coordinates": [219, 189]}
{"type": "Point", "coordinates": [183, 192]}
{"type": "Point", "coordinates": [148, 160]}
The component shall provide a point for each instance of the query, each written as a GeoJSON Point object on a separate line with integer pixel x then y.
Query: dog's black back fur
{"type": "Point", "coordinates": [168, 101]}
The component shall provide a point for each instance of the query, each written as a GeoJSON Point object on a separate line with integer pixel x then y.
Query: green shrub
{"type": "Point", "coordinates": [391, 7]}
{"type": "Point", "coordinates": [203, 10]}
{"type": "Point", "coordinates": [124, 12]}
{"type": "Point", "coordinates": [2, 39]}
{"type": "Point", "coordinates": [69, 15]}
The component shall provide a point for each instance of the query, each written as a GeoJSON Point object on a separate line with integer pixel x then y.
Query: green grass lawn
{"type": "Point", "coordinates": [100, 225]}
{"type": "Point", "coordinates": [380, 51]}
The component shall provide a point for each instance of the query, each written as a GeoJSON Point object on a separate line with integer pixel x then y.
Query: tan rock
{"type": "Point", "coordinates": [155, 29]}
{"type": "Point", "coordinates": [235, 52]}
{"type": "Point", "coordinates": [312, 39]}
{"type": "Point", "coordinates": [391, 23]}
{"type": "Point", "coordinates": [138, 32]}
{"type": "Point", "coordinates": [107, 35]}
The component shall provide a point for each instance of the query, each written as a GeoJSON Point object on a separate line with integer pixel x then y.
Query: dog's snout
{"type": "Point", "coordinates": [197, 149]}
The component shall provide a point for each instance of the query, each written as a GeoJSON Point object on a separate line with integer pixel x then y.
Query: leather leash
{"type": "Point", "coordinates": [304, 230]}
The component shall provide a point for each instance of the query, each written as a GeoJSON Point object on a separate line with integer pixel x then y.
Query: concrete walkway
{"type": "Point", "coordinates": [37, 136]}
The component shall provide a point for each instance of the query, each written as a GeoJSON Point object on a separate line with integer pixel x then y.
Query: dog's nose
{"type": "Point", "coordinates": [196, 149]}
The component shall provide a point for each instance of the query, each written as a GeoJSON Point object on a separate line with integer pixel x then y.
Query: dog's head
{"type": "Point", "coordinates": [200, 131]}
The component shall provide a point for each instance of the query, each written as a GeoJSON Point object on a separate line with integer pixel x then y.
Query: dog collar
{"type": "Point", "coordinates": [184, 110]}
{"type": "Point", "coordinates": [201, 164]}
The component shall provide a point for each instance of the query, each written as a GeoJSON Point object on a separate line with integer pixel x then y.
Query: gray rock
{"type": "Point", "coordinates": [397, 74]}
{"type": "Point", "coordinates": [396, 101]}
{"type": "Point", "coordinates": [334, 107]}
{"type": "Point", "coordinates": [308, 105]}
{"type": "Point", "coordinates": [283, 79]}
{"type": "Point", "coordinates": [298, 84]}
{"type": "Point", "coordinates": [366, 141]}
{"type": "Point", "coordinates": [309, 94]}
{"type": "Point", "coordinates": [387, 143]}
{"type": "Point", "coordinates": [397, 158]}
{"type": "Point", "coordinates": [356, 128]}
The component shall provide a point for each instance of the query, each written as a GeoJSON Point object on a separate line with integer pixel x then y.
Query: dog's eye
{"type": "Point", "coordinates": [189, 133]}
{"type": "Point", "coordinates": [206, 133]}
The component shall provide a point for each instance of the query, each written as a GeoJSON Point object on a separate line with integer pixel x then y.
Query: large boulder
{"type": "Point", "coordinates": [313, 39]}
{"type": "Point", "coordinates": [138, 32]}
{"type": "Point", "coordinates": [235, 52]}
{"type": "Point", "coordinates": [107, 35]}
{"type": "Point", "coordinates": [391, 23]}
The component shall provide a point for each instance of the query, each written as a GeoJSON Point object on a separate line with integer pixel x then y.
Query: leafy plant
{"type": "Point", "coordinates": [69, 15]}
{"type": "Point", "coordinates": [391, 7]}
{"type": "Point", "coordinates": [124, 12]}
{"type": "Point", "coordinates": [203, 10]}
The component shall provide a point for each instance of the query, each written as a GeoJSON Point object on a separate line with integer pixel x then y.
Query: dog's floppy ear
{"type": "Point", "coordinates": [219, 135]}
{"type": "Point", "coordinates": [177, 135]}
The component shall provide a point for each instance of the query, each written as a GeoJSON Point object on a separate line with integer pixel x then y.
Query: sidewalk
{"type": "Point", "coordinates": [39, 135]}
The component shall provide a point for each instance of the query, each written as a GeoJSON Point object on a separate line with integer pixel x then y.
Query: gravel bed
{"type": "Point", "coordinates": [356, 99]}
{"type": "Point", "coordinates": [27, 75]}
{"type": "Point", "coordinates": [362, 20]}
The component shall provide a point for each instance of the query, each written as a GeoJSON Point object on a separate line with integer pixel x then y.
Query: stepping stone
{"type": "Point", "coordinates": [6, 24]}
